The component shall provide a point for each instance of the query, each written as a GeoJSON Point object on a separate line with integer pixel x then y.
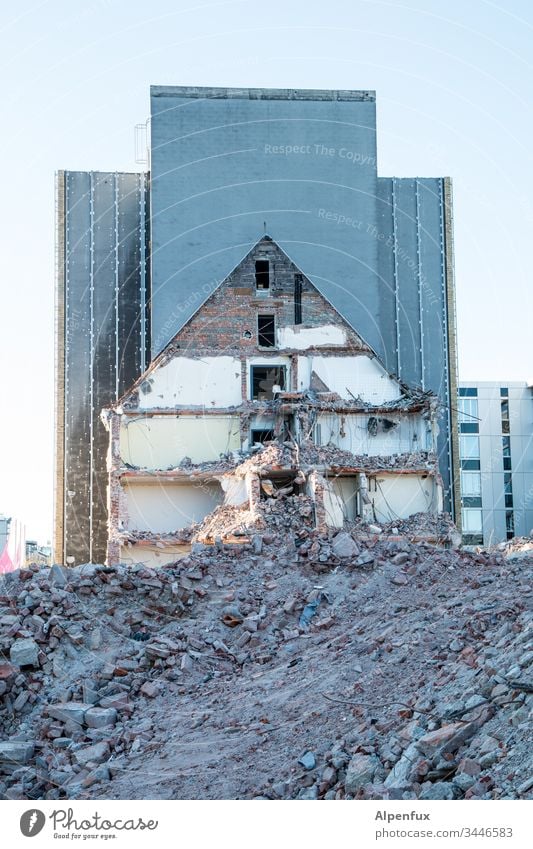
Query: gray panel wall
{"type": "Point", "coordinates": [104, 352]}
{"type": "Point", "coordinates": [412, 280]}
{"type": "Point", "coordinates": [226, 170]}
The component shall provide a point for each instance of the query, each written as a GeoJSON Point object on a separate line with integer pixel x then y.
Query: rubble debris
{"type": "Point", "coordinates": [417, 688]}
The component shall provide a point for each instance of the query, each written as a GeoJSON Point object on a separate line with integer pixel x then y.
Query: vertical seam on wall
{"type": "Point", "coordinates": [142, 195]}
{"type": "Point", "coordinates": [452, 336]}
{"type": "Point", "coordinates": [396, 281]}
{"type": "Point", "coordinates": [91, 361]}
{"type": "Point", "coordinates": [60, 370]}
{"type": "Point", "coordinates": [446, 340]}
{"type": "Point", "coordinates": [419, 272]}
{"type": "Point", "coordinates": [115, 202]}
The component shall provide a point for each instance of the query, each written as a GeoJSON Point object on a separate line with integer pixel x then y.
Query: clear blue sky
{"type": "Point", "coordinates": [453, 82]}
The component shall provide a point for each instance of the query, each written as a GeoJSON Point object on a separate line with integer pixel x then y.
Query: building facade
{"type": "Point", "coordinates": [138, 254]}
{"type": "Point", "coordinates": [496, 450]}
{"type": "Point", "coordinates": [265, 361]}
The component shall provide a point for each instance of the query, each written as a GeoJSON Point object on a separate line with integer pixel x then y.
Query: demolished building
{"type": "Point", "coordinates": [137, 255]}
{"type": "Point", "coordinates": [267, 393]}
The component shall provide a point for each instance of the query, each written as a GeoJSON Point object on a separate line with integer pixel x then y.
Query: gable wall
{"type": "Point", "coordinates": [232, 310]}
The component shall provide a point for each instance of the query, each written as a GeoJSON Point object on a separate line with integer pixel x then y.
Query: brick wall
{"type": "Point", "coordinates": [227, 322]}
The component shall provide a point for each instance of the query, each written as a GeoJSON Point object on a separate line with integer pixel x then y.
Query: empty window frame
{"type": "Point", "coordinates": [266, 331]}
{"type": "Point", "coordinates": [263, 379]}
{"type": "Point", "coordinates": [262, 275]}
{"type": "Point", "coordinates": [509, 524]}
{"type": "Point", "coordinates": [261, 436]}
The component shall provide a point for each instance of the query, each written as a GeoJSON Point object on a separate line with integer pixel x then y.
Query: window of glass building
{"type": "Point", "coordinates": [505, 416]}
{"type": "Point", "coordinates": [471, 483]}
{"type": "Point", "coordinates": [470, 465]}
{"type": "Point", "coordinates": [469, 447]}
{"type": "Point", "coordinates": [472, 521]}
{"type": "Point", "coordinates": [468, 409]}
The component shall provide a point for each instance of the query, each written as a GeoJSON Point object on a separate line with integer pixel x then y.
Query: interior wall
{"type": "Point", "coordinates": [189, 382]}
{"type": "Point", "coordinates": [151, 556]}
{"type": "Point", "coordinates": [299, 337]}
{"type": "Point", "coordinates": [164, 507]}
{"type": "Point", "coordinates": [351, 377]}
{"type": "Point", "coordinates": [346, 489]}
{"type": "Point", "coordinates": [350, 432]}
{"type": "Point", "coordinates": [400, 496]}
{"type": "Point", "coordinates": [162, 442]}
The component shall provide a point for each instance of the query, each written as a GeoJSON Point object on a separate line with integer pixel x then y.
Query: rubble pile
{"type": "Point", "coordinates": [291, 666]}
{"type": "Point", "coordinates": [333, 457]}
{"type": "Point", "coordinates": [436, 525]}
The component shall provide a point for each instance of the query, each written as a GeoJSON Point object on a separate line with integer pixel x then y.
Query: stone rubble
{"type": "Point", "coordinates": [367, 663]}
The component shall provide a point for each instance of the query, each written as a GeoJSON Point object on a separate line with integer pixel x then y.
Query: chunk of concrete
{"type": "Point", "coordinates": [57, 576]}
{"type": "Point", "coordinates": [361, 770]}
{"type": "Point", "coordinates": [16, 751]}
{"type": "Point", "coordinates": [24, 652]}
{"type": "Point", "coordinates": [344, 546]}
{"type": "Point", "coordinates": [400, 776]}
{"type": "Point", "coordinates": [92, 754]}
{"type": "Point", "coordinates": [98, 717]}
{"type": "Point", "coordinates": [69, 711]}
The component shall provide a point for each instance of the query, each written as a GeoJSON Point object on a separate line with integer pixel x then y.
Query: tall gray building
{"type": "Point", "coordinates": [228, 166]}
{"type": "Point", "coordinates": [102, 333]}
{"type": "Point", "coordinates": [496, 451]}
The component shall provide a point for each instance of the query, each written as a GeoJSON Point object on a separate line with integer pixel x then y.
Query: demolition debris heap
{"type": "Point", "coordinates": [367, 663]}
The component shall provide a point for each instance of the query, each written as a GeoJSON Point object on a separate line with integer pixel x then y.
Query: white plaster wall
{"type": "Point", "coordinates": [161, 442]}
{"type": "Point", "coordinates": [300, 338]}
{"type": "Point", "coordinates": [363, 376]}
{"type": "Point", "coordinates": [235, 490]}
{"type": "Point", "coordinates": [188, 382]}
{"type": "Point", "coordinates": [166, 507]}
{"type": "Point", "coordinates": [346, 489]}
{"type": "Point", "coordinates": [355, 436]}
{"type": "Point", "coordinates": [334, 507]}
{"type": "Point", "coordinates": [399, 496]}
{"type": "Point", "coordinates": [151, 555]}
